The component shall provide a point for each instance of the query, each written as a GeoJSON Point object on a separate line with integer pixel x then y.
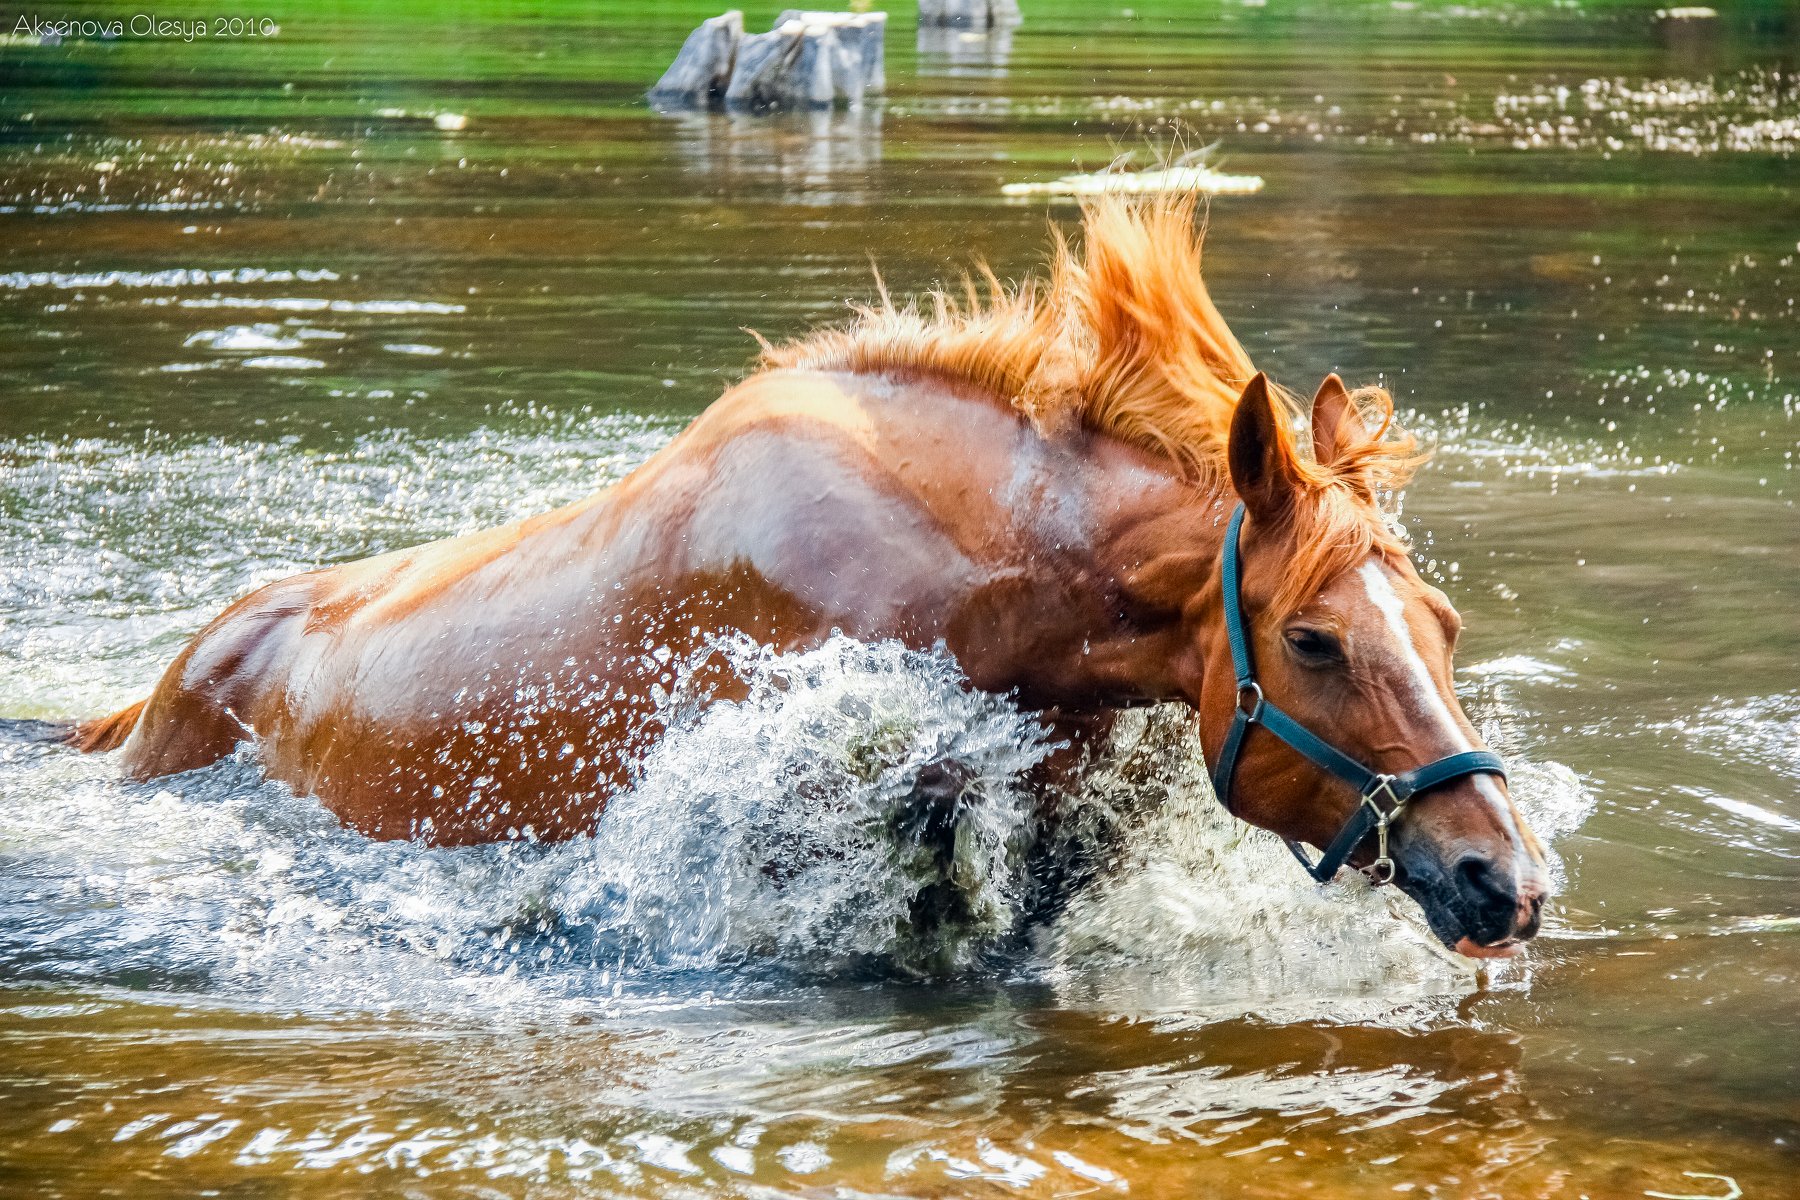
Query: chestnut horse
{"type": "Point", "coordinates": [1038, 479]}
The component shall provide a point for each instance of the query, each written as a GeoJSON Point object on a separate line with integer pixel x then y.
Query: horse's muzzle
{"type": "Point", "coordinates": [1479, 903]}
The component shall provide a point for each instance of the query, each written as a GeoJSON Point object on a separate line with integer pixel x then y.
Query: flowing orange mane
{"type": "Point", "coordinates": [1124, 340]}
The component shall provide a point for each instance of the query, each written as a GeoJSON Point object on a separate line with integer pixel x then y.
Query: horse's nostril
{"type": "Point", "coordinates": [1489, 894]}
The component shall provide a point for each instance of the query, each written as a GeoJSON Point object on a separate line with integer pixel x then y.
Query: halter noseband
{"type": "Point", "coordinates": [1384, 797]}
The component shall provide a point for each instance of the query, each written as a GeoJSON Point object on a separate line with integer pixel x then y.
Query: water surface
{"type": "Point", "coordinates": [260, 311]}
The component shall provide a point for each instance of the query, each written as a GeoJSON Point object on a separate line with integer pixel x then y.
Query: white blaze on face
{"type": "Point", "coordinates": [1429, 703]}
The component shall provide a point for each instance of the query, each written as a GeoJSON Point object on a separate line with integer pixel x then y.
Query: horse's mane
{"type": "Point", "coordinates": [1123, 339]}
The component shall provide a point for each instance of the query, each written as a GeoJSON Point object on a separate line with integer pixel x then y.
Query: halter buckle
{"type": "Point", "coordinates": [1382, 869]}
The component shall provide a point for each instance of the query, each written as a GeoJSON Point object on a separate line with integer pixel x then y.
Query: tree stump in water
{"type": "Point", "coordinates": [968, 14]}
{"type": "Point", "coordinates": [702, 71]}
{"type": "Point", "coordinates": [860, 38]}
{"type": "Point", "coordinates": [808, 60]}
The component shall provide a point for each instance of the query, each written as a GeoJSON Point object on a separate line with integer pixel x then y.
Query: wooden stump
{"type": "Point", "coordinates": [808, 60]}
{"type": "Point", "coordinates": [702, 71]}
{"type": "Point", "coordinates": [968, 14]}
{"type": "Point", "coordinates": [861, 37]}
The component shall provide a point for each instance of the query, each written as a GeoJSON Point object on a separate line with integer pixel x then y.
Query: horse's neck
{"type": "Point", "coordinates": [1152, 552]}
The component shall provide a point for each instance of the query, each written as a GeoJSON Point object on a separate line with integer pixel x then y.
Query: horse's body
{"type": "Point", "coordinates": [472, 689]}
{"type": "Point", "coordinates": [1039, 483]}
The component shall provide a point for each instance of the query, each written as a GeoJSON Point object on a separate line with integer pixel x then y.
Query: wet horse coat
{"type": "Point", "coordinates": [1038, 481]}
{"type": "Point", "coordinates": [474, 688]}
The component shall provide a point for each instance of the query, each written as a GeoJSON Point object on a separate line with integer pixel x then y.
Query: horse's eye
{"type": "Point", "coordinates": [1315, 645]}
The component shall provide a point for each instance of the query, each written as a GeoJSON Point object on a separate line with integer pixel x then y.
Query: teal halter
{"type": "Point", "coordinates": [1384, 797]}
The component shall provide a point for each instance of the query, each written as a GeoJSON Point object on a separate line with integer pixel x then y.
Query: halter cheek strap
{"type": "Point", "coordinates": [1383, 797]}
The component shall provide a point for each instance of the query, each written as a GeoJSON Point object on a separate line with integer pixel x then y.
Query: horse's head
{"type": "Point", "coordinates": [1350, 642]}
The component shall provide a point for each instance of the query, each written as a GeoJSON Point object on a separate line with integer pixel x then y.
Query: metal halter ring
{"type": "Point", "coordinates": [1382, 869]}
{"type": "Point", "coordinates": [1253, 689]}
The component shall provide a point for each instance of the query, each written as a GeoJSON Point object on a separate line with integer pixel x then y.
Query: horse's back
{"type": "Point", "coordinates": [798, 503]}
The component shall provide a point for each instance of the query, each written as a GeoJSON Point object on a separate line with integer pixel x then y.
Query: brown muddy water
{"type": "Point", "coordinates": [265, 305]}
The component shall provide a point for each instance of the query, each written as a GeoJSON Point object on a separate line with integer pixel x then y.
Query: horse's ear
{"type": "Point", "coordinates": [1264, 472]}
{"type": "Point", "coordinates": [1330, 410]}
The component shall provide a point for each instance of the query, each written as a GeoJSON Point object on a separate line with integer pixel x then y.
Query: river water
{"type": "Point", "coordinates": [391, 274]}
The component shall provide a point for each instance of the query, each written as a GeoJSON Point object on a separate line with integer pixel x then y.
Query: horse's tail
{"type": "Point", "coordinates": [103, 733]}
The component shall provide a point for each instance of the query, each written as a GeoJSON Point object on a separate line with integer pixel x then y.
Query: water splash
{"type": "Point", "coordinates": [771, 830]}
{"type": "Point", "coordinates": [779, 826]}
{"type": "Point", "coordinates": [1211, 916]}
{"type": "Point", "coordinates": [1205, 916]}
